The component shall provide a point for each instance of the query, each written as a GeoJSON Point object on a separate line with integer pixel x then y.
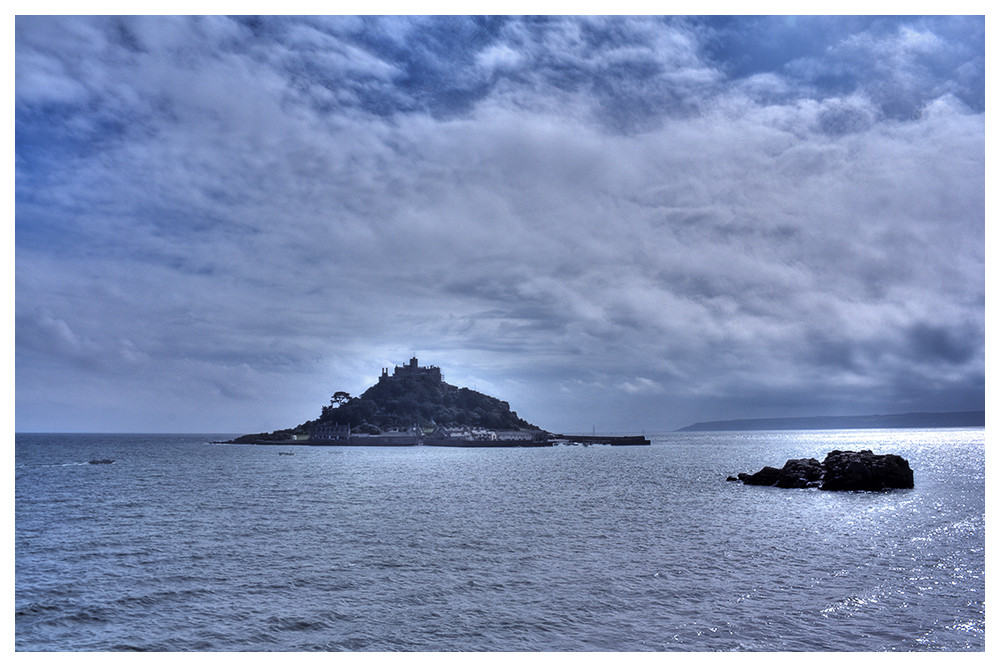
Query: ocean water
{"type": "Point", "coordinates": [183, 545]}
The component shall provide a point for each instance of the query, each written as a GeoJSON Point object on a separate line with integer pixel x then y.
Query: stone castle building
{"type": "Point", "coordinates": [413, 370]}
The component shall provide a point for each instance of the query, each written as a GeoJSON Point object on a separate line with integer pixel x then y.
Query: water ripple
{"type": "Point", "coordinates": [194, 547]}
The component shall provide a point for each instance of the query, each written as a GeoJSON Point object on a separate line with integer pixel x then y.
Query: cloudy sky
{"type": "Point", "coordinates": [612, 223]}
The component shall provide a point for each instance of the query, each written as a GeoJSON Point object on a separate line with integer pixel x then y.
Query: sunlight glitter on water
{"type": "Point", "coordinates": [188, 546]}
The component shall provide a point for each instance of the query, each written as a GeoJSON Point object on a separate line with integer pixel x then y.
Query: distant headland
{"type": "Point", "coordinates": [906, 420]}
{"type": "Point", "coordinates": [413, 405]}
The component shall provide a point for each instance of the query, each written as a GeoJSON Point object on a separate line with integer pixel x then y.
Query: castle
{"type": "Point", "coordinates": [413, 370]}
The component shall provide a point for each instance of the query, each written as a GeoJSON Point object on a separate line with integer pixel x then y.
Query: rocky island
{"type": "Point", "coordinates": [839, 471]}
{"type": "Point", "coordinates": [413, 405]}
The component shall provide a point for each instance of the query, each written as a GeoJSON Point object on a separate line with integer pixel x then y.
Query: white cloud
{"type": "Point", "coordinates": [499, 58]}
{"type": "Point", "coordinates": [641, 385]}
{"type": "Point", "coordinates": [240, 240]}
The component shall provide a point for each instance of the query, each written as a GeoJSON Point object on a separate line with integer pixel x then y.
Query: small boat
{"type": "Point", "coordinates": [100, 461]}
{"type": "Point", "coordinates": [286, 453]}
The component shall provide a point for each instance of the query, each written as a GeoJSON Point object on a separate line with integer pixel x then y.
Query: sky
{"type": "Point", "coordinates": [613, 223]}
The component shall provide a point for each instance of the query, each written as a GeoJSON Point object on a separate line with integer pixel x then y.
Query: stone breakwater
{"type": "Point", "coordinates": [839, 471]}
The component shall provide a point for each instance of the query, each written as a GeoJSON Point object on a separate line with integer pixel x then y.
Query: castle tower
{"type": "Point", "coordinates": [414, 369]}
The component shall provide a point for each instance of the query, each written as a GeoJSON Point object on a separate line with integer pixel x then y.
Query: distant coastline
{"type": "Point", "coordinates": [906, 420]}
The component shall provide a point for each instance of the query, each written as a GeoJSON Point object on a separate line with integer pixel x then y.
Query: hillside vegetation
{"type": "Point", "coordinates": [403, 402]}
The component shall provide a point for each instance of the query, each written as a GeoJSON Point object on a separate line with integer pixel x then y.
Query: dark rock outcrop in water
{"type": "Point", "coordinates": [839, 471]}
{"type": "Point", "coordinates": [864, 471]}
{"type": "Point", "coordinates": [766, 476]}
{"type": "Point", "coordinates": [799, 474]}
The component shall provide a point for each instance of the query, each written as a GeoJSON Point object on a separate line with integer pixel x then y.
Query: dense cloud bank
{"type": "Point", "coordinates": [618, 222]}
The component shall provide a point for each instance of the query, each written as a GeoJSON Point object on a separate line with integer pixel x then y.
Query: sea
{"type": "Point", "coordinates": [181, 544]}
